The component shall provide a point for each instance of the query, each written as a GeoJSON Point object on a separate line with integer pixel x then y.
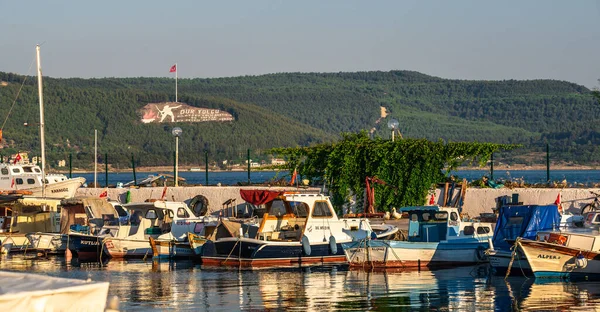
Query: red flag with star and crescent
{"type": "Point", "coordinates": [173, 68]}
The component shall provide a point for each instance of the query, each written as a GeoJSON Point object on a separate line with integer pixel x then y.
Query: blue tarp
{"type": "Point", "coordinates": [523, 221]}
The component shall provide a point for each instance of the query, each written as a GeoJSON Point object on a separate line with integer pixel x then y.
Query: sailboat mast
{"type": "Point", "coordinates": [42, 141]}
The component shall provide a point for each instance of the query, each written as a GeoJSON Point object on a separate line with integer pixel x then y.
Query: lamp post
{"type": "Point", "coordinates": [176, 132]}
{"type": "Point", "coordinates": [393, 125]}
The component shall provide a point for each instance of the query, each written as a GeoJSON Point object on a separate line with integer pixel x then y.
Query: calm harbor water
{"type": "Point", "coordinates": [586, 177]}
{"type": "Point", "coordinates": [184, 285]}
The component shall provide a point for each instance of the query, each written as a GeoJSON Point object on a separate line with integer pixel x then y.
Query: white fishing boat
{"type": "Point", "coordinates": [436, 237]}
{"type": "Point", "coordinates": [27, 215]}
{"type": "Point", "coordinates": [296, 230]}
{"type": "Point", "coordinates": [77, 215]}
{"type": "Point", "coordinates": [34, 292]}
{"type": "Point", "coordinates": [572, 254]}
{"type": "Point", "coordinates": [33, 178]}
{"type": "Point", "coordinates": [22, 177]}
{"type": "Point", "coordinates": [161, 220]}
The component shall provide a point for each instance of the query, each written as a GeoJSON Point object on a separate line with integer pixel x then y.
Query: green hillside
{"type": "Point", "coordinates": [296, 109]}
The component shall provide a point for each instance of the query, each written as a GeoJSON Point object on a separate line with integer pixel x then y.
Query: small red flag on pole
{"type": "Point", "coordinates": [164, 193]}
{"type": "Point", "coordinates": [558, 202]}
{"type": "Point", "coordinates": [104, 194]}
{"type": "Point", "coordinates": [17, 158]}
{"type": "Point", "coordinates": [173, 68]}
{"type": "Point", "coordinates": [294, 177]}
{"type": "Point", "coordinates": [432, 199]}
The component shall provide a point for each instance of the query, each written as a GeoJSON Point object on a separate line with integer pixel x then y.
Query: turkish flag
{"type": "Point", "coordinates": [17, 158]}
{"type": "Point", "coordinates": [104, 194]}
{"type": "Point", "coordinates": [164, 193]}
{"type": "Point", "coordinates": [432, 200]}
{"type": "Point", "coordinates": [173, 68]}
{"type": "Point", "coordinates": [558, 202]}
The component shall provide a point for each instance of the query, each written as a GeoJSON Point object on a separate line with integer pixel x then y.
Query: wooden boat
{"type": "Point", "coordinates": [436, 237]}
{"type": "Point", "coordinates": [296, 230]}
{"type": "Point", "coordinates": [27, 215]}
{"type": "Point", "coordinates": [77, 215]}
{"type": "Point", "coordinates": [161, 220]}
{"type": "Point", "coordinates": [573, 254]}
{"type": "Point", "coordinates": [163, 249]}
{"type": "Point", "coordinates": [519, 221]}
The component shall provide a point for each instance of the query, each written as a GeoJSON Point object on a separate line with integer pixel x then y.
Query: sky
{"type": "Point", "coordinates": [461, 39]}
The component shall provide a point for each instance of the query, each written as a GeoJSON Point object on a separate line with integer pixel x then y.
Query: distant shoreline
{"type": "Point", "coordinates": [169, 169]}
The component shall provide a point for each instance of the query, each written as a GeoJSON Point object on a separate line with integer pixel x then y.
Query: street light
{"type": "Point", "coordinates": [176, 132]}
{"type": "Point", "coordinates": [393, 125]}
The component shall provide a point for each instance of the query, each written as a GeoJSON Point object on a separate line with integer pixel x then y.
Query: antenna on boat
{"type": "Point", "coordinates": [42, 141]}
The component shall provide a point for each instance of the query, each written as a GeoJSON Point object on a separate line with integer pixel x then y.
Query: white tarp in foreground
{"type": "Point", "coordinates": [32, 292]}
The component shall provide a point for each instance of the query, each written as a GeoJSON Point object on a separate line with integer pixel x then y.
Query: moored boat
{"type": "Point", "coordinates": [27, 215]}
{"type": "Point", "coordinates": [570, 254]}
{"type": "Point", "coordinates": [77, 216]}
{"type": "Point", "coordinates": [296, 230]}
{"type": "Point", "coordinates": [519, 221]}
{"type": "Point", "coordinates": [436, 237]}
{"type": "Point", "coordinates": [161, 220]}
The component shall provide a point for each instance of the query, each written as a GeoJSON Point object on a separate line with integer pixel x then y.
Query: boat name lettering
{"type": "Point", "coordinates": [83, 242]}
{"type": "Point", "coordinates": [64, 189]}
{"type": "Point", "coordinates": [322, 227]}
{"type": "Point", "coordinates": [182, 222]}
{"type": "Point", "coordinates": [5, 178]}
{"type": "Point", "coordinates": [552, 257]}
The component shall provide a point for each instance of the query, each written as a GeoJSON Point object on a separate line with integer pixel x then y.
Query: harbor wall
{"type": "Point", "coordinates": [477, 200]}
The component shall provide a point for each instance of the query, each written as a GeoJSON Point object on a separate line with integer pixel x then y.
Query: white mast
{"type": "Point", "coordinates": [95, 158]}
{"type": "Point", "coordinates": [42, 141]}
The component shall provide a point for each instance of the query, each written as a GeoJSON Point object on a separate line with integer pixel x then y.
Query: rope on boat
{"type": "Point", "coordinates": [101, 252]}
{"type": "Point", "coordinates": [232, 249]}
{"type": "Point", "coordinates": [512, 258]}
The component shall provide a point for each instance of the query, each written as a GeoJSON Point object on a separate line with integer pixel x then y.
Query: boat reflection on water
{"type": "Point", "coordinates": [455, 288]}
{"type": "Point", "coordinates": [185, 285]}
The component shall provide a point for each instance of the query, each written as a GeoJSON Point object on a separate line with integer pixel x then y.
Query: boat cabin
{"type": "Point", "coordinates": [160, 220]}
{"type": "Point", "coordinates": [435, 224]}
{"type": "Point", "coordinates": [290, 216]}
{"type": "Point", "coordinates": [87, 215]}
{"type": "Point", "coordinates": [584, 239]}
{"type": "Point", "coordinates": [32, 214]}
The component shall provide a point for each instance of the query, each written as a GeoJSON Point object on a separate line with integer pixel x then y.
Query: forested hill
{"type": "Point", "coordinates": [291, 109]}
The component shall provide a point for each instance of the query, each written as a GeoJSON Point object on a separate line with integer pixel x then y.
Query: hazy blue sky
{"type": "Point", "coordinates": [462, 39]}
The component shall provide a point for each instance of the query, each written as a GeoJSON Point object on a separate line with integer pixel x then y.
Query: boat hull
{"type": "Point", "coordinates": [120, 248]}
{"type": "Point", "coordinates": [500, 262]}
{"type": "Point", "coordinates": [162, 249]}
{"type": "Point", "coordinates": [85, 247]}
{"type": "Point", "coordinates": [50, 243]}
{"type": "Point", "coordinates": [402, 254]}
{"type": "Point", "coordinates": [62, 189]}
{"type": "Point", "coordinates": [556, 261]}
{"type": "Point", "coordinates": [256, 253]}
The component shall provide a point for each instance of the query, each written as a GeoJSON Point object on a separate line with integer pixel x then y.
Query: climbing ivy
{"type": "Point", "coordinates": [410, 167]}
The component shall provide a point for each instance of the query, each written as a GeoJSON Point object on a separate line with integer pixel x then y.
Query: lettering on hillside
{"type": "Point", "coordinates": [179, 112]}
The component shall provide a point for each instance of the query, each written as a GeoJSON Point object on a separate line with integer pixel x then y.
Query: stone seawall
{"type": "Point", "coordinates": [476, 200]}
{"type": "Point", "coordinates": [216, 195]}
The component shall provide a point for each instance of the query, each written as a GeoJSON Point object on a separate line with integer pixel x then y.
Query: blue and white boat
{"type": "Point", "coordinates": [523, 221]}
{"type": "Point", "coordinates": [436, 237]}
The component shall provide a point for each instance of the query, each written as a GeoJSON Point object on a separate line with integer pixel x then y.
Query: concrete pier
{"type": "Point", "coordinates": [476, 200]}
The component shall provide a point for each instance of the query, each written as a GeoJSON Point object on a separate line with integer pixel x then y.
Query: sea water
{"type": "Point", "coordinates": [187, 286]}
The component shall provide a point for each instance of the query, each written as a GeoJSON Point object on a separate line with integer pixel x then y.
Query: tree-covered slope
{"type": "Point", "coordinates": [298, 109]}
